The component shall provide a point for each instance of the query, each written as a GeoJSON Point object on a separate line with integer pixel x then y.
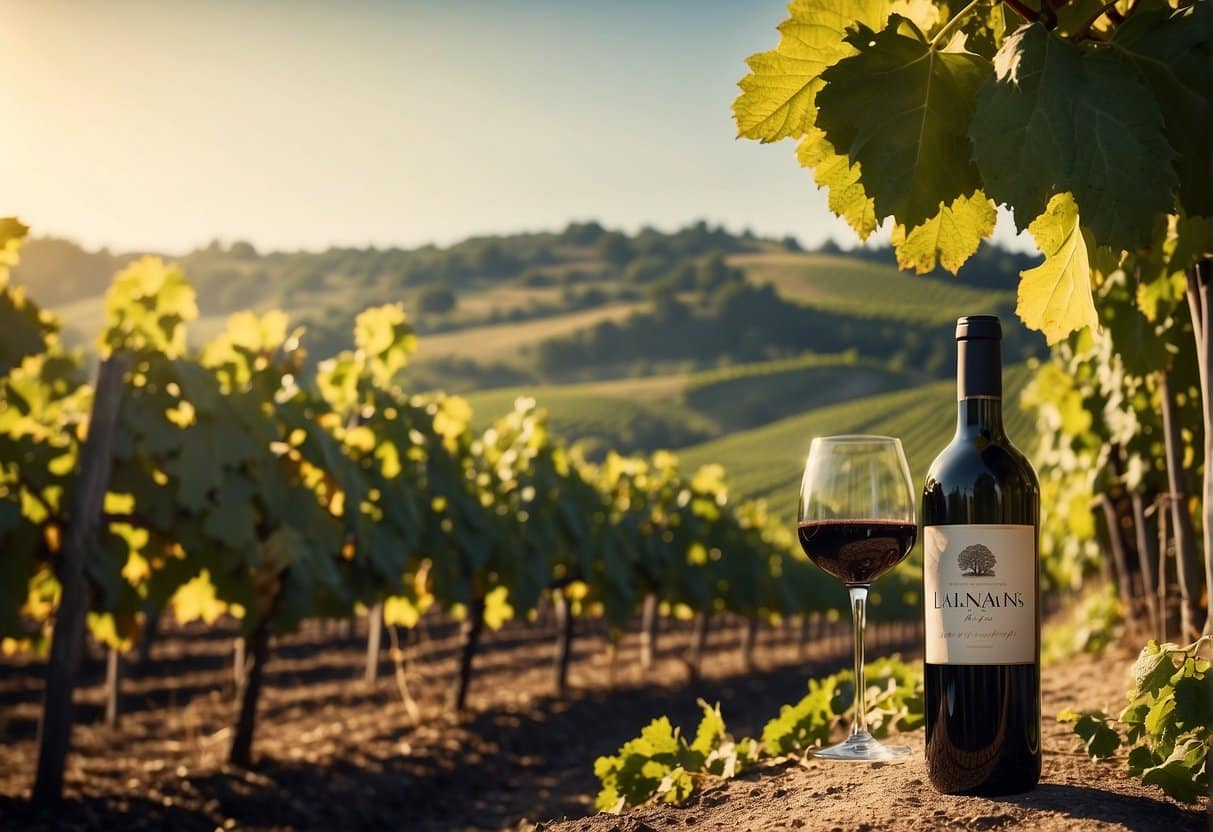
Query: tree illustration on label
{"type": "Point", "coordinates": [976, 561]}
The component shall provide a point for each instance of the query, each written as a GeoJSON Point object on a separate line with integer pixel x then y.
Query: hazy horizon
{"type": "Point", "coordinates": [162, 127]}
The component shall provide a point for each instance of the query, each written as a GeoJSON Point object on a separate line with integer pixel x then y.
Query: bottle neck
{"type": "Point", "coordinates": [979, 417]}
{"type": "Point", "coordinates": [979, 387]}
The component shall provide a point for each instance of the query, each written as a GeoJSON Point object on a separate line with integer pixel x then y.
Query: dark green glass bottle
{"type": "Point", "coordinates": [981, 579]}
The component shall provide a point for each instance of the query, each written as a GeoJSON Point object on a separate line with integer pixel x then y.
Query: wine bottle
{"type": "Point", "coordinates": [981, 582]}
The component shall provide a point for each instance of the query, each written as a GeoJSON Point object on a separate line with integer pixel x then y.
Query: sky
{"type": "Point", "coordinates": [297, 124]}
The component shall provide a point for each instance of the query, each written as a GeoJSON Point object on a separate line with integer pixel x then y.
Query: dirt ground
{"type": "Point", "coordinates": [337, 753]}
{"type": "Point", "coordinates": [1075, 793]}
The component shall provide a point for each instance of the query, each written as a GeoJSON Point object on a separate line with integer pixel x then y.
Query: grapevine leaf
{"type": "Point", "coordinates": [12, 234]}
{"type": "Point", "coordinates": [1055, 297]}
{"type": "Point", "coordinates": [15, 566]}
{"type": "Point", "coordinates": [404, 612]}
{"type": "Point", "coordinates": [1101, 740]}
{"type": "Point", "coordinates": [1137, 342]}
{"type": "Point", "coordinates": [1170, 51]}
{"type": "Point", "coordinates": [1153, 668]}
{"type": "Point", "coordinates": [777, 97]}
{"type": "Point", "coordinates": [833, 171]}
{"type": "Point", "coordinates": [913, 150]}
{"type": "Point", "coordinates": [196, 599]}
{"type": "Point", "coordinates": [1140, 759]}
{"type": "Point", "coordinates": [1155, 296]}
{"type": "Point", "coordinates": [949, 238]}
{"type": "Point", "coordinates": [711, 729]}
{"type": "Point", "coordinates": [1160, 721]}
{"type": "Point", "coordinates": [989, 28]}
{"type": "Point", "coordinates": [676, 787]}
{"type": "Point", "coordinates": [197, 471]}
{"type": "Point", "coordinates": [1073, 16]}
{"type": "Point", "coordinates": [1053, 118]}
{"type": "Point", "coordinates": [926, 14]}
{"type": "Point", "coordinates": [1175, 778]}
{"type": "Point", "coordinates": [1194, 702]}
{"type": "Point", "coordinates": [146, 308]}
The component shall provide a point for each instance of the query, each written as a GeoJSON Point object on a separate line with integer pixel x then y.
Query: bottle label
{"type": "Point", "coordinates": [980, 590]}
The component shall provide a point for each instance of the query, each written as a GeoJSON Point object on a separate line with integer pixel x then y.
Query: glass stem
{"type": "Point", "coordinates": [859, 605]}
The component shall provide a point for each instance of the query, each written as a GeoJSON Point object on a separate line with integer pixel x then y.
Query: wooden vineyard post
{"type": "Point", "coordinates": [1200, 276]}
{"type": "Point", "coordinates": [1120, 562]}
{"type": "Point", "coordinates": [1163, 613]}
{"type": "Point", "coordinates": [749, 636]}
{"type": "Point", "coordinates": [374, 639]}
{"type": "Point", "coordinates": [113, 682]}
{"type": "Point", "coordinates": [648, 631]}
{"type": "Point", "coordinates": [1186, 569]}
{"type": "Point", "coordinates": [564, 641]}
{"type": "Point", "coordinates": [699, 643]}
{"type": "Point", "coordinates": [239, 665]}
{"type": "Point", "coordinates": [147, 636]}
{"type": "Point", "coordinates": [1147, 556]}
{"type": "Point", "coordinates": [83, 520]}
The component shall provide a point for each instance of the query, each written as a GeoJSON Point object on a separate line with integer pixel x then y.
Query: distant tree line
{"type": "Point", "coordinates": [992, 267]}
{"type": "Point", "coordinates": [738, 321]}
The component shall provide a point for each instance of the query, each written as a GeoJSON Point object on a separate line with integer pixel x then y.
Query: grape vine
{"type": "Point", "coordinates": [241, 484]}
{"type": "Point", "coordinates": [1091, 122]}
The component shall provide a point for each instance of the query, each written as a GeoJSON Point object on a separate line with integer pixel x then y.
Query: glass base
{"type": "Point", "coordinates": [862, 748]}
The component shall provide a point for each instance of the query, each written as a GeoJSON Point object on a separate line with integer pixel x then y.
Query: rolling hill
{"type": "Point", "coordinates": [866, 289]}
{"type": "Point", "coordinates": [767, 462]}
{"type": "Point", "coordinates": [674, 342]}
{"type": "Point", "coordinates": [672, 411]}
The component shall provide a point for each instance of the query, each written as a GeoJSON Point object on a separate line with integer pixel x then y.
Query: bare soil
{"type": "Point", "coordinates": [1075, 792]}
{"type": "Point", "coordinates": [337, 753]}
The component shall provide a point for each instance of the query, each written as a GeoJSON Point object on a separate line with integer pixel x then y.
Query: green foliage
{"type": "Point", "coordinates": [920, 111]}
{"type": "Point", "coordinates": [1169, 49]}
{"type": "Point", "coordinates": [949, 238]}
{"type": "Point", "coordinates": [1057, 118]}
{"type": "Point", "coordinates": [1098, 402]}
{"type": "Point", "coordinates": [871, 292]}
{"type": "Point", "coordinates": [767, 462]}
{"type": "Point", "coordinates": [27, 329]}
{"type": "Point", "coordinates": [1167, 726]}
{"type": "Point", "coordinates": [436, 300]}
{"type": "Point", "coordinates": [777, 98]}
{"type": "Point", "coordinates": [1065, 274]}
{"type": "Point", "coordinates": [1091, 626]}
{"type": "Point", "coordinates": [43, 407]}
{"type": "Point", "coordinates": [660, 765]}
{"type": "Point", "coordinates": [894, 702]}
{"type": "Point", "coordinates": [909, 149]}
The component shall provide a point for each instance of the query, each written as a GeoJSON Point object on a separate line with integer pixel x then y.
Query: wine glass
{"type": "Point", "coordinates": [856, 521]}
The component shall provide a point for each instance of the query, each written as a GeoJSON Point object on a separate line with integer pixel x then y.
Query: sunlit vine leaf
{"type": "Point", "coordinates": [834, 171]}
{"type": "Point", "coordinates": [777, 95]}
{"type": "Point", "coordinates": [1055, 297]}
{"type": "Point", "coordinates": [949, 238]}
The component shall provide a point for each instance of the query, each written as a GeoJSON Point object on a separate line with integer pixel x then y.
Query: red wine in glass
{"type": "Point", "coordinates": [856, 522]}
{"type": "Point", "coordinates": [856, 552]}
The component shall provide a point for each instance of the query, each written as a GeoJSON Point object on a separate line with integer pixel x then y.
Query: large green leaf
{"type": "Point", "coordinates": [777, 95]}
{"type": "Point", "coordinates": [901, 110]}
{"type": "Point", "coordinates": [1054, 118]}
{"type": "Point", "coordinates": [1170, 50]}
